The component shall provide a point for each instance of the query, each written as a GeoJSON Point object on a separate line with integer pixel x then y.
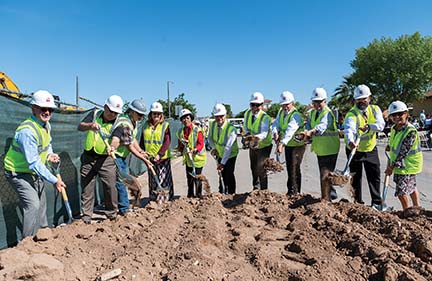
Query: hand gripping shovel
{"type": "Point", "coordinates": [222, 184]}
{"type": "Point", "coordinates": [339, 177]}
{"type": "Point", "coordinates": [383, 207]}
{"type": "Point", "coordinates": [55, 166]}
{"type": "Point", "coordinates": [162, 192]}
{"type": "Point", "coordinates": [202, 178]}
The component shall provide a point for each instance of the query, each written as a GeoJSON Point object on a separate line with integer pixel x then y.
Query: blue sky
{"type": "Point", "coordinates": [213, 51]}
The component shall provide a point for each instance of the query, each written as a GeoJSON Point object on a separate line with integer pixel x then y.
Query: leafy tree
{"type": "Point", "coordinates": [342, 99]}
{"type": "Point", "coordinates": [273, 110]}
{"type": "Point", "coordinates": [228, 109]}
{"type": "Point", "coordinates": [398, 69]}
{"type": "Point", "coordinates": [180, 100]}
{"type": "Point", "coordinates": [240, 114]}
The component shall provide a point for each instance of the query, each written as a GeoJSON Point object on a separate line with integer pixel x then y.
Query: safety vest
{"type": "Point", "coordinates": [200, 158]}
{"type": "Point", "coordinates": [154, 138]}
{"type": "Point", "coordinates": [255, 127]}
{"type": "Point", "coordinates": [93, 138]}
{"type": "Point", "coordinates": [367, 140]}
{"type": "Point", "coordinates": [221, 140]}
{"type": "Point", "coordinates": [414, 159]}
{"type": "Point", "coordinates": [284, 120]}
{"type": "Point", "coordinates": [328, 143]}
{"type": "Point", "coordinates": [15, 160]}
{"type": "Point", "coordinates": [124, 121]}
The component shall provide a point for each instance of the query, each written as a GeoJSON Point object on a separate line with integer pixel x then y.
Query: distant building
{"type": "Point", "coordinates": [425, 104]}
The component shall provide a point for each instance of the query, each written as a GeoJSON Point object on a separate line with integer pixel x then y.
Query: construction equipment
{"type": "Point", "coordinates": [338, 177]}
{"type": "Point", "coordinates": [162, 192]}
{"type": "Point", "coordinates": [221, 182]}
{"type": "Point", "coordinates": [55, 167]}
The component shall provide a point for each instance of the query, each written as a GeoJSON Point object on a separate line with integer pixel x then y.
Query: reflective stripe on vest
{"type": "Point", "coordinates": [256, 126]}
{"type": "Point", "coordinates": [328, 143]}
{"type": "Point", "coordinates": [125, 121]}
{"type": "Point", "coordinates": [367, 140]}
{"type": "Point", "coordinates": [284, 120]}
{"type": "Point", "coordinates": [15, 160]}
{"type": "Point", "coordinates": [221, 140]}
{"type": "Point", "coordinates": [414, 159]}
{"type": "Point", "coordinates": [93, 139]}
{"type": "Point", "coordinates": [153, 139]}
{"type": "Point", "coordinates": [199, 159]}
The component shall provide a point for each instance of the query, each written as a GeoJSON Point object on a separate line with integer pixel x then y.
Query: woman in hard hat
{"type": "Point", "coordinates": [156, 143]}
{"type": "Point", "coordinates": [191, 145]}
{"type": "Point", "coordinates": [406, 158]}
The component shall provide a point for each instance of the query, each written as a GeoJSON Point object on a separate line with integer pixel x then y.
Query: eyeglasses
{"type": "Point", "coordinates": [45, 109]}
{"type": "Point", "coordinates": [317, 101]}
{"type": "Point", "coordinates": [255, 104]}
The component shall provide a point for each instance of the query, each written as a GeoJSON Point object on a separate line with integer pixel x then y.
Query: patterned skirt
{"type": "Point", "coordinates": [164, 174]}
{"type": "Point", "coordinates": [405, 184]}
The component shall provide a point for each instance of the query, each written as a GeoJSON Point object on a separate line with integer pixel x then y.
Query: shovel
{"type": "Point", "coordinates": [338, 177]}
{"type": "Point", "coordinates": [162, 192]}
{"type": "Point", "coordinates": [224, 190]}
{"type": "Point", "coordinates": [201, 177]}
{"type": "Point", "coordinates": [55, 166]}
{"type": "Point", "coordinates": [383, 207]}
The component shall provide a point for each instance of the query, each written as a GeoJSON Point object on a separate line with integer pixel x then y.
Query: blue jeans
{"type": "Point", "coordinates": [123, 199]}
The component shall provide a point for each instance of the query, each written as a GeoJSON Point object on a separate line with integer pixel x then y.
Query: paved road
{"type": "Point", "coordinates": [310, 174]}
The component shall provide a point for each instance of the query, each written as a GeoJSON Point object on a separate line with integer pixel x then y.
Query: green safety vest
{"type": "Point", "coordinates": [153, 139]}
{"type": "Point", "coordinates": [199, 159]}
{"type": "Point", "coordinates": [367, 140]}
{"type": "Point", "coordinates": [255, 127]}
{"type": "Point", "coordinates": [284, 119]}
{"type": "Point", "coordinates": [328, 143]}
{"type": "Point", "coordinates": [221, 140]}
{"type": "Point", "coordinates": [124, 121]}
{"type": "Point", "coordinates": [93, 139]}
{"type": "Point", "coordinates": [15, 160]}
{"type": "Point", "coordinates": [414, 159]}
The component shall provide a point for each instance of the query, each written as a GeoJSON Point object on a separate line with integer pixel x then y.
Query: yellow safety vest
{"type": "Point", "coordinates": [15, 160]}
{"type": "Point", "coordinates": [153, 139]}
{"type": "Point", "coordinates": [284, 120]}
{"type": "Point", "coordinates": [328, 143]}
{"type": "Point", "coordinates": [93, 139]}
{"type": "Point", "coordinates": [200, 158]}
{"type": "Point", "coordinates": [367, 140]}
{"type": "Point", "coordinates": [221, 140]}
{"type": "Point", "coordinates": [124, 121]}
{"type": "Point", "coordinates": [414, 159]}
{"type": "Point", "coordinates": [255, 127]}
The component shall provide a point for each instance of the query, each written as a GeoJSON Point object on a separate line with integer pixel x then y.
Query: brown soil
{"type": "Point", "coordinates": [254, 236]}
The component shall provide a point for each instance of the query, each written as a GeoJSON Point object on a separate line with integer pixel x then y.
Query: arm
{"type": "Point", "coordinates": [293, 126]}
{"type": "Point", "coordinates": [379, 124]}
{"type": "Point", "coordinates": [165, 145]}
{"type": "Point", "coordinates": [88, 124]}
{"type": "Point", "coordinates": [350, 129]}
{"type": "Point", "coordinates": [265, 126]}
{"type": "Point", "coordinates": [228, 147]}
{"type": "Point", "coordinates": [399, 162]}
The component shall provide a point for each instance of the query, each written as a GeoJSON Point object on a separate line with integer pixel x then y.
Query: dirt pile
{"type": "Point", "coordinates": [255, 236]}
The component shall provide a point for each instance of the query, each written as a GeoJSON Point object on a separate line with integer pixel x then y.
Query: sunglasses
{"type": "Point", "coordinates": [398, 114]}
{"type": "Point", "coordinates": [255, 104]}
{"type": "Point", "coordinates": [45, 109]}
{"type": "Point", "coordinates": [317, 101]}
{"type": "Point", "coordinates": [109, 109]}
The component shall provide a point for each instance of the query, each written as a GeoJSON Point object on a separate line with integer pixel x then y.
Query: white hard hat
{"type": "Point", "coordinates": [185, 112]}
{"type": "Point", "coordinates": [257, 97]}
{"type": "Point", "coordinates": [361, 91]}
{"type": "Point", "coordinates": [319, 94]}
{"type": "Point", "coordinates": [286, 97]}
{"type": "Point", "coordinates": [397, 106]}
{"type": "Point", "coordinates": [219, 110]}
{"type": "Point", "coordinates": [115, 103]}
{"type": "Point", "coordinates": [43, 98]}
{"type": "Point", "coordinates": [156, 107]}
{"type": "Point", "coordinates": [138, 106]}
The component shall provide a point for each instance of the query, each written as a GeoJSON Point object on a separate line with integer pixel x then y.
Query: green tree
{"type": "Point", "coordinates": [398, 69]}
{"type": "Point", "coordinates": [342, 99]}
{"type": "Point", "coordinates": [229, 111]}
{"type": "Point", "coordinates": [240, 114]}
{"type": "Point", "coordinates": [180, 100]}
{"type": "Point", "coordinates": [273, 110]}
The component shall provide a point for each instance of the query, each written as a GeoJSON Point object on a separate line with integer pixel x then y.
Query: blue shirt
{"type": "Point", "coordinates": [28, 145]}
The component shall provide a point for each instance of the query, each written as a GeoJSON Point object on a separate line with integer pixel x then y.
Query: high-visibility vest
{"type": "Point", "coordinates": [15, 160]}
{"type": "Point", "coordinates": [124, 121]}
{"type": "Point", "coordinates": [200, 158]}
{"type": "Point", "coordinates": [367, 140]}
{"type": "Point", "coordinates": [255, 127]}
{"type": "Point", "coordinates": [93, 139]}
{"type": "Point", "coordinates": [284, 120]}
{"type": "Point", "coordinates": [414, 159]}
{"type": "Point", "coordinates": [154, 138]}
{"type": "Point", "coordinates": [328, 143]}
{"type": "Point", "coordinates": [221, 140]}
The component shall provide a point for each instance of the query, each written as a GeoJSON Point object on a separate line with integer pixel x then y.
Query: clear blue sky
{"type": "Point", "coordinates": [213, 51]}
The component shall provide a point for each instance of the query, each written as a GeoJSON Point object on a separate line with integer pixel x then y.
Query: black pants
{"type": "Point", "coordinates": [257, 157]}
{"type": "Point", "coordinates": [294, 158]}
{"type": "Point", "coordinates": [327, 164]}
{"type": "Point", "coordinates": [191, 182]}
{"type": "Point", "coordinates": [371, 163]}
{"type": "Point", "coordinates": [228, 176]}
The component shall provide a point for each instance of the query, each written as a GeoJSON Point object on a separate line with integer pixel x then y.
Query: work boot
{"type": "Point", "coordinates": [86, 220]}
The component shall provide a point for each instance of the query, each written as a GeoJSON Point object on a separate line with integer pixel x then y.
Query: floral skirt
{"type": "Point", "coordinates": [405, 184]}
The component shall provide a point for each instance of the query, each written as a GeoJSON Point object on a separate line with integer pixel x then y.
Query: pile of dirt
{"type": "Point", "coordinates": [255, 236]}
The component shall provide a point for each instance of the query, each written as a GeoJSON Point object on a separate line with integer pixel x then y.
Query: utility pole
{"type": "Point", "coordinates": [169, 103]}
{"type": "Point", "coordinates": [77, 92]}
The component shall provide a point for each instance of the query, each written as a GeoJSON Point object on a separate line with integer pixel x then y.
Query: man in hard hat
{"type": "Point", "coordinates": [257, 123]}
{"type": "Point", "coordinates": [364, 120]}
{"type": "Point", "coordinates": [124, 144]}
{"type": "Point", "coordinates": [406, 158]}
{"type": "Point", "coordinates": [156, 141]}
{"type": "Point", "coordinates": [96, 159]}
{"type": "Point", "coordinates": [191, 145]}
{"type": "Point", "coordinates": [288, 122]}
{"type": "Point", "coordinates": [223, 137]}
{"type": "Point", "coordinates": [321, 126]}
{"type": "Point", "coordinates": [25, 162]}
